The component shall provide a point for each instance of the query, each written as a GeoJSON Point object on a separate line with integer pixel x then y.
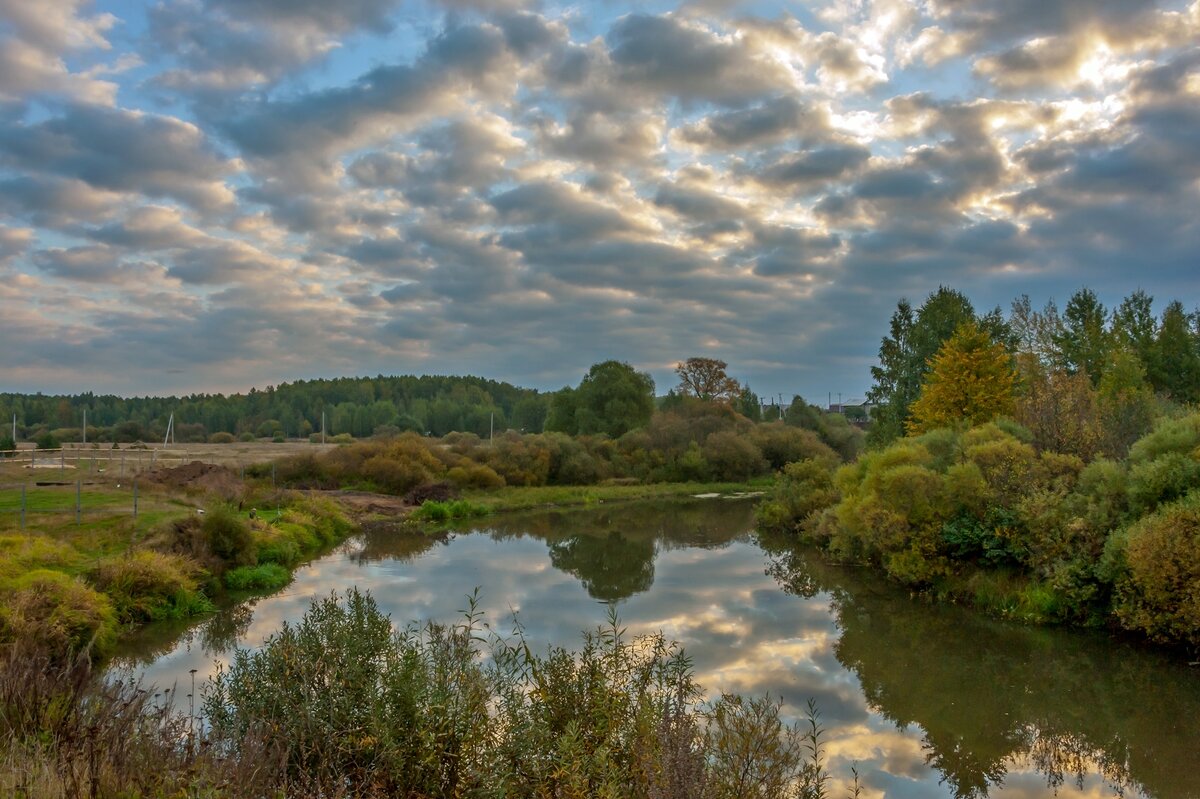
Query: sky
{"type": "Point", "coordinates": [209, 195]}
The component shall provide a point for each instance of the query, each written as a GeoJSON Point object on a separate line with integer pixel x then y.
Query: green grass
{"type": "Point", "coordinates": [263, 577]}
{"type": "Point", "coordinates": [526, 498]}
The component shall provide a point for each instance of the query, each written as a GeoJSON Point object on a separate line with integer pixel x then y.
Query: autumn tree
{"type": "Point", "coordinates": [971, 379]}
{"type": "Point", "coordinates": [1060, 409]}
{"type": "Point", "coordinates": [904, 355]}
{"type": "Point", "coordinates": [705, 379]}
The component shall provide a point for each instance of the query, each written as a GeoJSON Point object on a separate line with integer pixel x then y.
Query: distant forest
{"type": "Point", "coordinates": [356, 406]}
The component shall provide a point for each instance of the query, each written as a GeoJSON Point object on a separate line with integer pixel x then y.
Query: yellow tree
{"type": "Point", "coordinates": [971, 379]}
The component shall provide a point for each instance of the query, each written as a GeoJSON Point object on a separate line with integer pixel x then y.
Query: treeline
{"type": "Point", "coordinates": [1046, 465]}
{"type": "Point", "coordinates": [692, 442]}
{"type": "Point", "coordinates": [355, 406]}
{"type": "Point", "coordinates": [1069, 368]}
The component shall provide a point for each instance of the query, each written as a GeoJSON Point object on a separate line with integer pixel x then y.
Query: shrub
{"type": "Point", "coordinates": [733, 458]}
{"type": "Point", "coordinates": [1159, 592]}
{"type": "Point", "coordinates": [452, 711]}
{"type": "Point", "coordinates": [246, 437]}
{"type": "Point", "coordinates": [277, 439]}
{"type": "Point", "coordinates": [475, 476]}
{"type": "Point", "coordinates": [150, 586]}
{"type": "Point", "coordinates": [1166, 478]}
{"type": "Point", "coordinates": [59, 611]}
{"type": "Point", "coordinates": [229, 537]}
{"type": "Point", "coordinates": [341, 438]}
{"type": "Point", "coordinates": [221, 438]}
{"type": "Point", "coordinates": [802, 489]}
{"type": "Point", "coordinates": [781, 445]}
{"type": "Point", "coordinates": [263, 577]}
{"type": "Point", "coordinates": [1170, 436]}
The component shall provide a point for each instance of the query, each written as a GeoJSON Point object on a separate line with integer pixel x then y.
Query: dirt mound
{"type": "Point", "coordinates": [437, 492]}
{"type": "Point", "coordinates": [363, 503]}
{"type": "Point", "coordinates": [198, 476]}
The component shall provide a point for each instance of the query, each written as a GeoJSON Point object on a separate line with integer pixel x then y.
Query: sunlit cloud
{"type": "Point", "coordinates": [519, 189]}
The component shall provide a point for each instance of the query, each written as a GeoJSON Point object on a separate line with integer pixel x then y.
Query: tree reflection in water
{"type": "Point", "coordinates": [611, 551]}
{"type": "Point", "coordinates": [990, 695]}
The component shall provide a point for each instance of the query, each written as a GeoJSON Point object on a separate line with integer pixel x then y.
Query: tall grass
{"type": "Point", "coordinates": [352, 706]}
{"type": "Point", "coordinates": [344, 705]}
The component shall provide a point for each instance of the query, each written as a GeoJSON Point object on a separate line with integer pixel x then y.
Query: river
{"type": "Point", "coordinates": [923, 700]}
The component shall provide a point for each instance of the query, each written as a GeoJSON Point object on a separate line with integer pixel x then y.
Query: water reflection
{"type": "Point", "coordinates": [927, 701]}
{"type": "Point", "coordinates": [988, 697]}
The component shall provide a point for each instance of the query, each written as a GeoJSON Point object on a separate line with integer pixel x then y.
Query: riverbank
{"type": "Point", "coordinates": [517, 498]}
{"type": "Point", "coordinates": [980, 517]}
{"type": "Point", "coordinates": [81, 568]}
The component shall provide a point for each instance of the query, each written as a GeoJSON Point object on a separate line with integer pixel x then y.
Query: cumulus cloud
{"type": "Point", "coordinates": [123, 151]}
{"type": "Point", "coordinates": [277, 189]}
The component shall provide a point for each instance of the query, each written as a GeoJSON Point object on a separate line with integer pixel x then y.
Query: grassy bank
{"type": "Point", "coordinates": [76, 587]}
{"type": "Point", "coordinates": [514, 498]}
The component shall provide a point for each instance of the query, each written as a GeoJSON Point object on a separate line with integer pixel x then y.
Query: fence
{"type": "Point", "coordinates": [121, 461]}
{"type": "Point", "coordinates": [25, 500]}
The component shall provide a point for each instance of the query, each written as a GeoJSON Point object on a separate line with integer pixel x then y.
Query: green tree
{"type": "Point", "coordinates": [1083, 340]}
{"type": "Point", "coordinates": [561, 416]}
{"type": "Point", "coordinates": [1175, 364]}
{"type": "Point", "coordinates": [971, 380]}
{"type": "Point", "coordinates": [1126, 403]}
{"type": "Point", "coordinates": [904, 355]}
{"type": "Point", "coordinates": [1134, 326]}
{"type": "Point", "coordinates": [613, 399]}
{"type": "Point", "coordinates": [749, 405]}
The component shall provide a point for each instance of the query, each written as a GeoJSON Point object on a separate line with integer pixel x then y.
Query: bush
{"type": "Point", "coordinates": [475, 476]}
{"type": "Point", "coordinates": [228, 536]}
{"type": "Point", "coordinates": [1159, 593]}
{"type": "Point", "coordinates": [733, 458]}
{"type": "Point", "coordinates": [781, 445]}
{"type": "Point", "coordinates": [456, 711]}
{"type": "Point", "coordinates": [263, 577]}
{"type": "Point", "coordinates": [246, 437]}
{"type": "Point", "coordinates": [802, 489]}
{"type": "Point", "coordinates": [150, 586]}
{"type": "Point", "coordinates": [1166, 478]}
{"type": "Point", "coordinates": [221, 438]}
{"type": "Point", "coordinates": [58, 611]}
{"type": "Point", "coordinates": [341, 438]}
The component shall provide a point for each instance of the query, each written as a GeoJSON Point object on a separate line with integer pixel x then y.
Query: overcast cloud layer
{"type": "Point", "coordinates": [204, 195]}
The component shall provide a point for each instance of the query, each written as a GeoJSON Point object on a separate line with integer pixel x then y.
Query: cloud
{"type": "Point", "coordinates": [280, 189]}
{"type": "Point", "coordinates": [36, 38]}
{"type": "Point", "coordinates": [773, 120]}
{"type": "Point", "coordinates": [691, 62]}
{"type": "Point", "coordinates": [123, 151]}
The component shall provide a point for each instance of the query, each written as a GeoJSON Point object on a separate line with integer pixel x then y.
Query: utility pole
{"type": "Point", "coordinates": [85, 427]}
{"type": "Point", "coordinates": [492, 427]}
{"type": "Point", "coordinates": [322, 427]}
{"type": "Point", "coordinates": [170, 436]}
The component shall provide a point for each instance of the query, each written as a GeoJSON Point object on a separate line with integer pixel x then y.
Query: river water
{"type": "Point", "coordinates": [924, 701]}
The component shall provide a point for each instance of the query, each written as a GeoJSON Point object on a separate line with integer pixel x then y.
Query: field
{"type": "Point", "coordinates": [128, 459]}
